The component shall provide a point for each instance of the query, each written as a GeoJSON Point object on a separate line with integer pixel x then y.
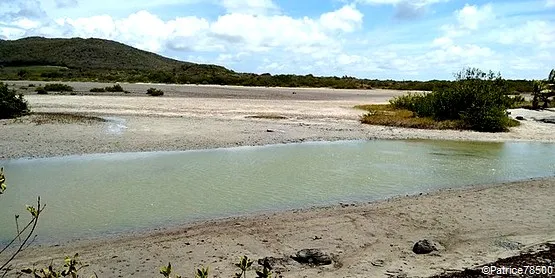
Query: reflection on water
{"type": "Point", "coordinates": [97, 195]}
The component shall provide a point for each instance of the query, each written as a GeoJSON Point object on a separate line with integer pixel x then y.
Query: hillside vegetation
{"type": "Point", "coordinates": [76, 59]}
{"type": "Point", "coordinates": [80, 53]}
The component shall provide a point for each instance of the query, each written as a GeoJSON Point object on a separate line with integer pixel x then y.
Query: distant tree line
{"type": "Point", "coordinates": [215, 75]}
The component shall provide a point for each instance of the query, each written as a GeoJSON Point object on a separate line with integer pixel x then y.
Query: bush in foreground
{"type": "Point", "coordinates": [154, 92]}
{"type": "Point", "coordinates": [476, 99]}
{"type": "Point", "coordinates": [12, 105]}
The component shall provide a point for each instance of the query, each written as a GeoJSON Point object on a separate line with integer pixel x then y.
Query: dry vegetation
{"type": "Point", "coordinates": [63, 118]}
{"type": "Point", "coordinates": [386, 115]}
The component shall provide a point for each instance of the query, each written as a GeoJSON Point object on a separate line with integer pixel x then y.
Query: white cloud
{"type": "Point", "coordinates": [537, 32]}
{"type": "Point", "coordinates": [346, 19]}
{"type": "Point", "coordinates": [142, 29]}
{"type": "Point", "coordinates": [254, 7]}
{"type": "Point", "coordinates": [471, 16]}
{"type": "Point", "coordinates": [550, 3]}
{"type": "Point", "coordinates": [416, 3]}
{"type": "Point", "coordinates": [230, 33]}
{"type": "Point", "coordinates": [442, 42]}
{"type": "Point", "coordinates": [262, 33]}
{"type": "Point", "coordinates": [66, 3]}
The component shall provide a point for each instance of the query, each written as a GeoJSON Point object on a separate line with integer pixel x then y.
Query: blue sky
{"type": "Point", "coordinates": [384, 39]}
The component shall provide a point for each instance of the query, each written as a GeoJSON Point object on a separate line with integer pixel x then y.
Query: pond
{"type": "Point", "coordinates": [109, 194]}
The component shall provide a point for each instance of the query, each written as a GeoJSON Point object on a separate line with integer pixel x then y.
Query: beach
{"type": "Point", "coordinates": [474, 225]}
{"type": "Point", "coordinates": [200, 117]}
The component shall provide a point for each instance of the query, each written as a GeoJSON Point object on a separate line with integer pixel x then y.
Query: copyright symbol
{"type": "Point", "coordinates": [486, 270]}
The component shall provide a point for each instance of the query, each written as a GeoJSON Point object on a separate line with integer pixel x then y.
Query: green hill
{"type": "Point", "coordinates": [80, 53]}
{"type": "Point", "coordinates": [38, 58]}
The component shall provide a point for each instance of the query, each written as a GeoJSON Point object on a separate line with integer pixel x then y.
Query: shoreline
{"type": "Point", "coordinates": [24, 139]}
{"type": "Point", "coordinates": [301, 141]}
{"type": "Point", "coordinates": [361, 233]}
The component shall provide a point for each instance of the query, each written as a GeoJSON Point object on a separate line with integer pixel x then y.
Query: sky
{"type": "Point", "coordinates": [383, 39]}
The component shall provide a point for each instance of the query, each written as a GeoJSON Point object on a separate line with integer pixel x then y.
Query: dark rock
{"type": "Point", "coordinates": [550, 120]}
{"type": "Point", "coordinates": [277, 264]}
{"type": "Point", "coordinates": [425, 247]}
{"type": "Point", "coordinates": [509, 245]}
{"type": "Point", "coordinates": [520, 118]}
{"type": "Point", "coordinates": [312, 257]}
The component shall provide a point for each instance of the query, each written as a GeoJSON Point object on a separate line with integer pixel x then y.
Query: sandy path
{"type": "Point", "coordinates": [475, 226]}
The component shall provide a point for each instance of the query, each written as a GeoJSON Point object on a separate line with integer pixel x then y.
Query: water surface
{"type": "Point", "coordinates": [106, 194]}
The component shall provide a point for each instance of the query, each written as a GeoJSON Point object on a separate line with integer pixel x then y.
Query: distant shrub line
{"type": "Point", "coordinates": [115, 88]}
{"type": "Point", "coordinates": [58, 87]}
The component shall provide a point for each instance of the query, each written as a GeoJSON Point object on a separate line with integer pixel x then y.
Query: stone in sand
{"type": "Point", "coordinates": [313, 257]}
{"type": "Point", "coordinates": [425, 246]}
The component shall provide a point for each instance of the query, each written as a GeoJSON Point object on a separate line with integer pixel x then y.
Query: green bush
{"type": "Point", "coordinates": [477, 98]}
{"type": "Point", "coordinates": [154, 92]}
{"type": "Point", "coordinates": [11, 104]}
{"type": "Point", "coordinates": [41, 91]}
{"type": "Point", "coordinates": [115, 88]}
{"type": "Point", "coordinates": [97, 90]}
{"type": "Point", "coordinates": [58, 87]}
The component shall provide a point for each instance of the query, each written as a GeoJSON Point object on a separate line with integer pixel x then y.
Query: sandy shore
{"type": "Point", "coordinates": [475, 226]}
{"type": "Point", "coordinates": [198, 117]}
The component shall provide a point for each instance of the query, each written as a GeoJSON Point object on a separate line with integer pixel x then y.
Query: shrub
{"type": "Point", "coordinates": [58, 87]}
{"type": "Point", "coordinates": [41, 91]}
{"type": "Point", "coordinates": [97, 90]}
{"type": "Point", "coordinates": [154, 92]}
{"type": "Point", "coordinates": [115, 88]}
{"type": "Point", "coordinates": [477, 98]}
{"type": "Point", "coordinates": [11, 104]}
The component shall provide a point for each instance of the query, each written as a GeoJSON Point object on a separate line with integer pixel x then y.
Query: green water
{"type": "Point", "coordinates": [102, 195]}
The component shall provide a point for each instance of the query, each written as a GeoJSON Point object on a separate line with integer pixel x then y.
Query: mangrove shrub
{"type": "Point", "coordinates": [476, 99]}
{"type": "Point", "coordinates": [12, 105]}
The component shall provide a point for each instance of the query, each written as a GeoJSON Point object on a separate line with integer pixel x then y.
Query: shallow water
{"type": "Point", "coordinates": [106, 194]}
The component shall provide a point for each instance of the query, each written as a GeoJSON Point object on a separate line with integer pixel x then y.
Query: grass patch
{"type": "Point", "coordinates": [63, 118]}
{"type": "Point", "coordinates": [513, 123]}
{"type": "Point", "coordinates": [386, 115]}
{"type": "Point", "coordinates": [267, 116]}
